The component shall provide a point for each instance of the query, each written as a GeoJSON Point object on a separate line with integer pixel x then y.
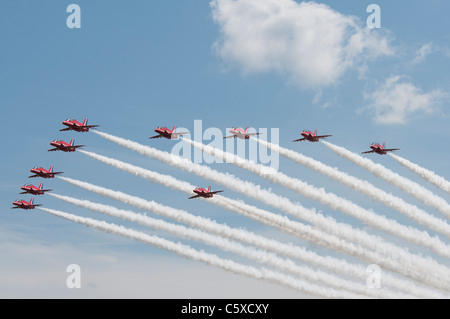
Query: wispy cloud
{"type": "Point", "coordinates": [310, 42]}
{"type": "Point", "coordinates": [396, 101]}
{"type": "Point", "coordinates": [423, 52]}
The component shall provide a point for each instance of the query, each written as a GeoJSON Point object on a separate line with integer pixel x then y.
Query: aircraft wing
{"type": "Point", "coordinates": [89, 126]}
{"type": "Point", "coordinates": [174, 136]}
{"type": "Point", "coordinates": [299, 140]}
{"type": "Point", "coordinates": [56, 173]}
{"type": "Point", "coordinates": [24, 193]}
{"type": "Point", "coordinates": [250, 134]}
{"type": "Point", "coordinates": [32, 176]}
{"type": "Point", "coordinates": [323, 136]}
{"type": "Point", "coordinates": [77, 146]}
{"type": "Point", "coordinates": [178, 134]}
{"type": "Point", "coordinates": [65, 129]}
{"type": "Point", "coordinates": [53, 149]}
{"type": "Point", "coordinates": [230, 136]}
{"type": "Point", "coordinates": [368, 152]}
{"type": "Point", "coordinates": [156, 136]}
{"type": "Point", "coordinates": [391, 149]}
{"type": "Point", "coordinates": [194, 196]}
{"type": "Point", "coordinates": [15, 207]}
{"type": "Point", "coordinates": [212, 193]}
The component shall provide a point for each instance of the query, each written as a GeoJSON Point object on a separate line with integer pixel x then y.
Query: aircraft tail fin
{"type": "Point", "coordinates": [246, 128]}
{"type": "Point", "coordinates": [209, 189]}
{"type": "Point", "coordinates": [31, 201]}
{"type": "Point", "coordinates": [71, 142]}
{"type": "Point", "coordinates": [51, 169]}
{"type": "Point", "coordinates": [40, 185]}
{"type": "Point", "coordinates": [384, 144]}
{"type": "Point", "coordinates": [315, 132]}
{"type": "Point", "coordinates": [173, 129]}
{"type": "Point", "coordinates": [85, 122]}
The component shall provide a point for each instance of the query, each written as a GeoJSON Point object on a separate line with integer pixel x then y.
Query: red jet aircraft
{"type": "Point", "coordinates": [379, 149]}
{"type": "Point", "coordinates": [42, 172]}
{"type": "Point", "coordinates": [60, 145]}
{"type": "Point", "coordinates": [23, 204]}
{"type": "Point", "coordinates": [205, 193]}
{"type": "Point", "coordinates": [310, 136]}
{"type": "Point", "coordinates": [74, 125]}
{"type": "Point", "coordinates": [165, 132]}
{"type": "Point", "coordinates": [240, 133]}
{"type": "Point", "coordinates": [31, 189]}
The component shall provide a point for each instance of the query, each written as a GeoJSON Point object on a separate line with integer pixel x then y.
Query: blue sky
{"type": "Point", "coordinates": [134, 66]}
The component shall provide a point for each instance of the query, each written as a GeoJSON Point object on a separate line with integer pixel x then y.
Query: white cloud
{"type": "Point", "coordinates": [397, 100]}
{"type": "Point", "coordinates": [310, 42]}
{"type": "Point", "coordinates": [423, 52]}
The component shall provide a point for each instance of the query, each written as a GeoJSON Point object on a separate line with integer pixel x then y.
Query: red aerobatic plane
{"type": "Point", "coordinates": [31, 189]}
{"type": "Point", "coordinates": [240, 133]}
{"type": "Point", "coordinates": [74, 125]}
{"type": "Point", "coordinates": [310, 136]}
{"type": "Point", "coordinates": [379, 149]}
{"type": "Point", "coordinates": [23, 204]}
{"type": "Point", "coordinates": [60, 145]}
{"type": "Point", "coordinates": [165, 132]}
{"type": "Point", "coordinates": [205, 193]}
{"type": "Point", "coordinates": [42, 172]}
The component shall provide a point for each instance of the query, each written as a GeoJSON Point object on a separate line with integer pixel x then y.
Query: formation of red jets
{"type": "Point", "coordinates": [58, 145]}
{"type": "Point", "coordinates": [74, 125]}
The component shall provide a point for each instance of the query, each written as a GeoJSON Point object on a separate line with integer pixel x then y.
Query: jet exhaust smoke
{"type": "Point", "coordinates": [281, 222]}
{"type": "Point", "coordinates": [210, 259]}
{"type": "Point", "coordinates": [426, 174]}
{"type": "Point", "coordinates": [389, 176]}
{"type": "Point", "coordinates": [366, 188]}
{"type": "Point", "coordinates": [398, 260]}
{"type": "Point", "coordinates": [333, 201]}
{"type": "Point", "coordinates": [260, 256]}
{"type": "Point", "coordinates": [248, 237]}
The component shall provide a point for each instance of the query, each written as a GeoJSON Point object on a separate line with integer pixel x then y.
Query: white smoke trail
{"type": "Point", "coordinates": [210, 259]}
{"type": "Point", "coordinates": [426, 174]}
{"type": "Point", "coordinates": [429, 272]}
{"type": "Point", "coordinates": [333, 201]}
{"type": "Point", "coordinates": [366, 188]}
{"type": "Point", "coordinates": [260, 256]}
{"type": "Point", "coordinates": [281, 222]}
{"type": "Point", "coordinates": [389, 176]}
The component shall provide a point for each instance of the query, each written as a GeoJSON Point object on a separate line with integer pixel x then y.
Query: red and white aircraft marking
{"type": "Point", "coordinates": [42, 172]}
{"type": "Point", "coordinates": [240, 133]}
{"type": "Point", "coordinates": [23, 204]}
{"type": "Point", "coordinates": [61, 145]}
{"type": "Point", "coordinates": [379, 149]}
{"type": "Point", "coordinates": [167, 133]}
{"type": "Point", "coordinates": [31, 189]}
{"type": "Point", "coordinates": [74, 125]}
{"type": "Point", "coordinates": [310, 136]}
{"type": "Point", "coordinates": [205, 193]}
